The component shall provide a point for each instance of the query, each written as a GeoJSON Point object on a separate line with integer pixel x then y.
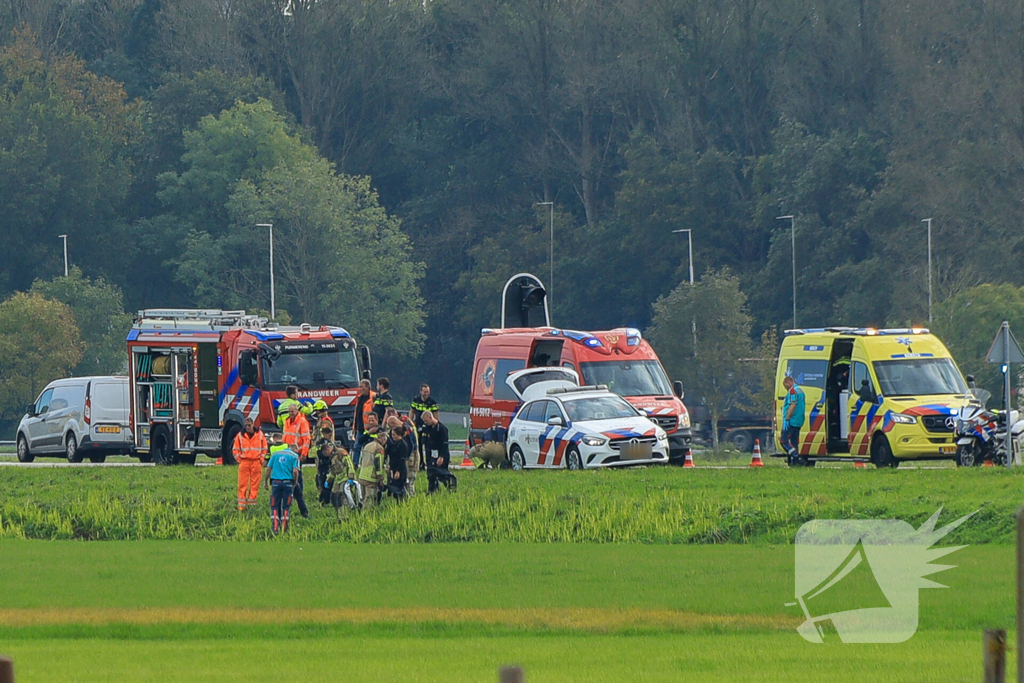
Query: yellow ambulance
{"type": "Point", "coordinates": [883, 395]}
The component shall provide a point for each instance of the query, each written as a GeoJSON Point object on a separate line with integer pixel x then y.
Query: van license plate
{"type": "Point", "coordinates": [108, 430]}
{"type": "Point", "coordinates": [636, 451]}
{"type": "Point", "coordinates": [947, 450]}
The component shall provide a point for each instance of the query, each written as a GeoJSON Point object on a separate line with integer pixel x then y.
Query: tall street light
{"type": "Point", "coordinates": [693, 321]}
{"type": "Point", "coordinates": [65, 238]}
{"type": "Point", "coordinates": [273, 309]}
{"type": "Point", "coordinates": [689, 239]}
{"type": "Point", "coordinates": [792, 243]}
{"type": "Point", "coordinates": [929, 222]}
{"type": "Point", "coordinates": [551, 248]}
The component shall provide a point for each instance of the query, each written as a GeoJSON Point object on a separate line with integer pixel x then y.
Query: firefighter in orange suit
{"type": "Point", "coordinates": [249, 449]}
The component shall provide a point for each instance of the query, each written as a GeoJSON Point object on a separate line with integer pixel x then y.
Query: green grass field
{"type": "Point", "coordinates": [567, 612]}
{"type": "Point", "coordinates": [658, 574]}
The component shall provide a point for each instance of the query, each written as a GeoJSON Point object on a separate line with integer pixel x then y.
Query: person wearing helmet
{"type": "Point", "coordinates": [291, 393]}
{"type": "Point", "coordinates": [323, 433]}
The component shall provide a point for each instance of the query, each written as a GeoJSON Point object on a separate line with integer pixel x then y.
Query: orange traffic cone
{"type": "Point", "coordinates": [859, 463]}
{"type": "Point", "coordinates": [466, 462]}
{"type": "Point", "coordinates": [989, 463]}
{"type": "Point", "coordinates": [220, 461]}
{"type": "Point", "coordinates": [756, 460]}
{"type": "Point", "coordinates": [688, 462]}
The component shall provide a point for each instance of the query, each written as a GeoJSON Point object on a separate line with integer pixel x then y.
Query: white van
{"type": "Point", "coordinates": [77, 418]}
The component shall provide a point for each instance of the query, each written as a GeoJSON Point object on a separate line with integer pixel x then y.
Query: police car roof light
{"type": "Point", "coordinates": [571, 390]}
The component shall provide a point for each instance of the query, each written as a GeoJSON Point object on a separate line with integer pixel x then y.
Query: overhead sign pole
{"type": "Point", "coordinates": [1006, 350]}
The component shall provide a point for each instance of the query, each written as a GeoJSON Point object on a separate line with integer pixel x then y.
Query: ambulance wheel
{"type": "Point", "coordinates": [881, 453]}
{"type": "Point", "coordinates": [71, 448]}
{"type": "Point", "coordinates": [226, 446]}
{"type": "Point", "coordinates": [160, 447]}
{"type": "Point", "coordinates": [516, 458]}
{"type": "Point", "coordinates": [24, 455]}
{"type": "Point", "coordinates": [573, 461]}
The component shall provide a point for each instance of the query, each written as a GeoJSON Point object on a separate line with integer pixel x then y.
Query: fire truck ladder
{"type": "Point", "coordinates": [196, 319]}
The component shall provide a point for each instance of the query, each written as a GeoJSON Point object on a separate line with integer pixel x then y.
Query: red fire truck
{"type": "Point", "coordinates": [195, 376]}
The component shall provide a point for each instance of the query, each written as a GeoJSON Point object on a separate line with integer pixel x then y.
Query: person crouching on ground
{"type": "Point", "coordinates": [373, 470]}
{"type": "Point", "coordinates": [280, 477]}
{"type": "Point", "coordinates": [435, 435]}
{"type": "Point", "coordinates": [344, 489]}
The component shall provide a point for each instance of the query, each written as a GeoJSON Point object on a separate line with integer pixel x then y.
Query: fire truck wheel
{"type": "Point", "coordinates": [71, 448]}
{"type": "Point", "coordinates": [144, 457]}
{"type": "Point", "coordinates": [226, 450]}
{"type": "Point", "coordinates": [23, 453]}
{"type": "Point", "coordinates": [160, 447]}
{"type": "Point", "coordinates": [187, 458]}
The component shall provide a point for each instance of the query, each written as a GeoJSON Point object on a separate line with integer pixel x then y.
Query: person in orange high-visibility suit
{"type": "Point", "coordinates": [296, 435]}
{"type": "Point", "coordinates": [250, 448]}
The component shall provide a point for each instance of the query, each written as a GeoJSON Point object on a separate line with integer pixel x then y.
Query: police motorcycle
{"type": "Point", "coordinates": [981, 433]}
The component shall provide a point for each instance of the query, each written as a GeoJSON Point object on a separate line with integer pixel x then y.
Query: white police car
{"type": "Point", "coordinates": [561, 424]}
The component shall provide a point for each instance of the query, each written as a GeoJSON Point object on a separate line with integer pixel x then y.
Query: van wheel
{"type": "Point", "coordinates": [226, 446]}
{"type": "Point", "coordinates": [71, 448]}
{"type": "Point", "coordinates": [515, 456]}
{"type": "Point", "coordinates": [160, 447]}
{"type": "Point", "coordinates": [740, 440]}
{"type": "Point", "coordinates": [97, 458]}
{"type": "Point", "coordinates": [23, 453]}
{"type": "Point", "coordinates": [573, 461]}
{"type": "Point", "coordinates": [881, 453]}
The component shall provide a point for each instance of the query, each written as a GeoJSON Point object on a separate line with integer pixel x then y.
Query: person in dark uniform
{"type": "Point", "coordinates": [423, 403]}
{"type": "Point", "coordinates": [397, 451]}
{"type": "Point", "coordinates": [435, 434]}
{"type": "Point", "coordinates": [383, 401]}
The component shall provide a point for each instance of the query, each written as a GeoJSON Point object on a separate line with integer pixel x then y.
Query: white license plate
{"type": "Point", "coordinates": [636, 451]}
{"type": "Point", "coordinates": [108, 430]}
{"type": "Point", "coordinates": [947, 450]}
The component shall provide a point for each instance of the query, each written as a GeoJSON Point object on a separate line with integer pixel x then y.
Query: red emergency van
{"type": "Point", "coordinates": [620, 359]}
{"type": "Point", "coordinates": [195, 375]}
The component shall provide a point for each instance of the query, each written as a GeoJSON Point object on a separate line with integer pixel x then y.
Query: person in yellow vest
{"type": "Point", "coordinates": [291, 393]}
{"type": "Point", "coordinates": [249, 449]}
{"type": "Point", "coordinates": [373, 469]}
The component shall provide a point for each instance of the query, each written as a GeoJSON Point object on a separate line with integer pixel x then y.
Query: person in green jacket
{"type": "Point", "coordinates": [345, 490]}
{"type": "Point", "coordinates": [291, 393]}
{"type": "Point", "coordinates": [373, 469]}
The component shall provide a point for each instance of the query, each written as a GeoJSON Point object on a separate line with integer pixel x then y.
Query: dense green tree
{"type": "Point", "coordinates": [99, 313]}
{"type": "Point", "coordinates": [968, 322]}
{"type": "Point", "coordinates": [64, 165]}
{"type": "Point", "coordinates": [702, 332]}
{"type": "Point", "coordinates": [39, 342]}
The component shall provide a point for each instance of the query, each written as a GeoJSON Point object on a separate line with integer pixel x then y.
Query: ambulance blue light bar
{"type": "Point", "coordinates": [859, 331]}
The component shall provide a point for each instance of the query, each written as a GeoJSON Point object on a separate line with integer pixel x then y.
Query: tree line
{"type": "Point", "coordinates": [404, 151]}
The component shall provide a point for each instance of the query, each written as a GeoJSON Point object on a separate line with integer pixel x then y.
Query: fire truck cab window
{"type": "Point", "coordinates": [311, 366]}
{"type": "Point", "coordinates": [248, 367]}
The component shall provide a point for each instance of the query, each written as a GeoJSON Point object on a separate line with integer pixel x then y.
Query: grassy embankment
{"type": "Point", "coordinates": [657, 505]}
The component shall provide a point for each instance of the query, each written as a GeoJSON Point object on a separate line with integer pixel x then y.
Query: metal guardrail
{"type": "Point", "coordinates": [7, 443]}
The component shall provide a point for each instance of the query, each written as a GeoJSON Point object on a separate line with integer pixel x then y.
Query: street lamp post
{"type": "Point", "coordinates": [551, 248]}
{"type": "Point", "coordinates": [792, 242]}
{"type": "Point", "coordinates": [273, 308]}
{"type": "Point", "coordinates": [689, 239]}
{"type": "Point", "coordinates": [65, 238]}
{"type": "Point", "coordinates": [929, 222]}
